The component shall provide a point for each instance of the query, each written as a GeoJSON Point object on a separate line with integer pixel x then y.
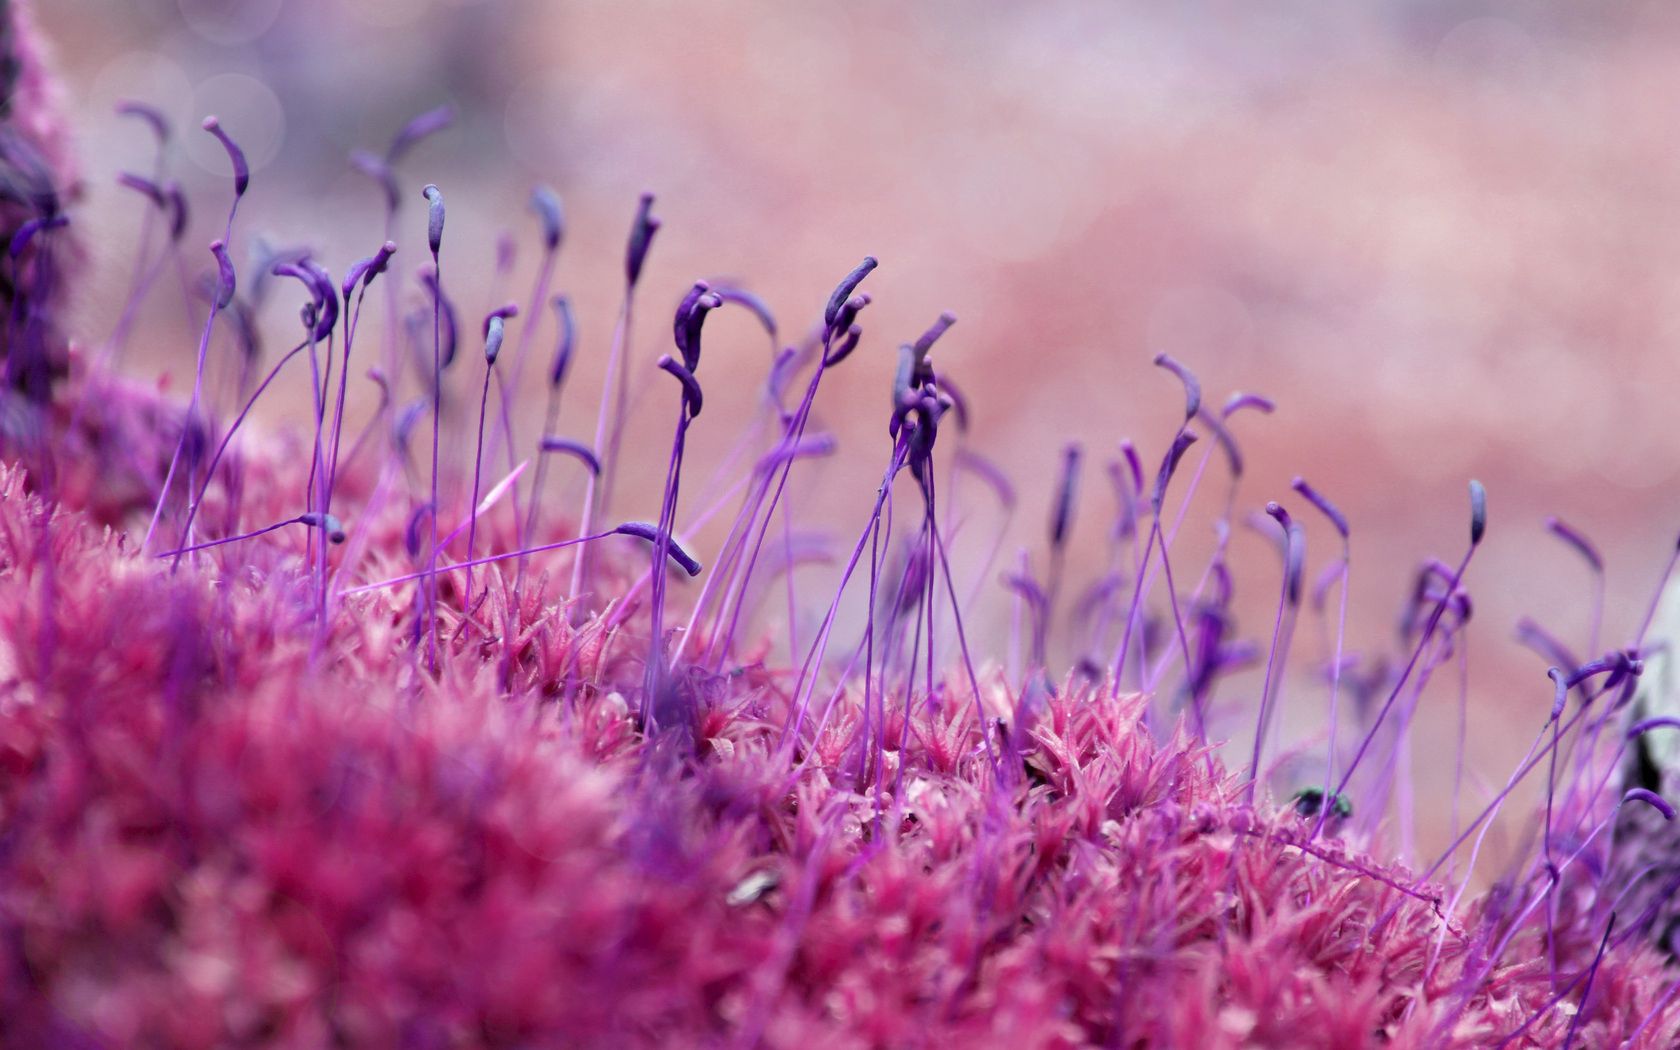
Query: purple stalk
{"type": "Point", "coordinates": [1478, 526]}
{"type": "Point", "coordinates": [842, 309]}
{"type": "Point", "coordinates": [224, 295]}
{"type": "Point", "coordinates": [1181, 441]}
{"type": "Point", "coordinates": [491, 559]}
{"type": "Point", "coordinates": [1339, 521]}
{"type": "Point", "coordinates": [434, 239]}
{"type": "Point", "coordinates": [478, 465]}
{"type": "Point", "coordinates": [331, 528]}
{"type": "Point", "coordinates": [1289, 600]}
{"type": "Point", "coordinates": [609, 425]}
{"type": "Point", "coordinates": [1578, 542]}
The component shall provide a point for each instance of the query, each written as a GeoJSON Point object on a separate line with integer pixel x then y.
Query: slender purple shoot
{"type": "Point", "coordinates": [236, 156]}
{"type": "Point", "coordinates": [179, 213]}
{"type": "Point", "coordinates": [365, 270]}
{"type": "Point", "coordinates": [940, 326]}
{"type": "Point", "coordinates": [1323, 505]}
{"type": "Point", "coordinates": [1169, 464]}
{"type": "Point", "coordinates": [844, 289]}
{"type": "Point", "coordinates": [546, 203]}
{"type": "Point", "coordinates": [567, 325]}
{"type": "Point", "coordinates": [434, 218]}
{"type": "Point", "coordinates": [226, 284]}
{"type": "Point", "coordinates": [1226, 441]}
{"type": "Point", "coordinates": [1650, 798]}
{"type": "Point", "coordinates": [151, 116]}
{"type": "Point", "coordinates": [644, 531]}
{"type": "Point", "coordinates": [1577, 540]}
{"type": "Point", "coordinates": [692, 399]}
{"type": "Point", "coordinates": [1134, 464]}
{"type": "Point", "coordinates": [576, 449]}
{"type": "Point", "coordinates": [376, 168]}
{"type": "Point", "coordinates": [1238, 402]}
{"type": "Point", "coordinates": [1640, 728]}
{"type": "Point", "coordinates": [1192, 386]}
{"type": "Point", "coordinates": [421, 127]}
{"type": "Point", "coordinates": [144, 186]}
{"type": "Point", "coordinates": [642, 229]}
{"type": "Point", "coordinates": [1061, 517]}
{"type": "Point", "coordinates": [329, 525]}
{"type": "Point", "coordinates": [1478, 512]}
{"type": "Point", "coordinates": [730, 292]}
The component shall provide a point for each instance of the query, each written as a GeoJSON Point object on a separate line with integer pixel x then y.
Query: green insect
{"type": "Point", "coordinates": [1308, 802]}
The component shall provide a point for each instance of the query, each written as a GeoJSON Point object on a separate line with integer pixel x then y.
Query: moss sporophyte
{"type": "Point", "coordinates": [333, 736]}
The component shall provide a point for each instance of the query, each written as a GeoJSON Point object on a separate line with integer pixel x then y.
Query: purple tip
{"type": "Point", "coordinates": [1223, 437]}
{"type": "Point", "coordinates": [1650, 798]}
{"type": "Point", "coordinates": [577, 450]}
{"type": "Point", "coordinates": [691, 386]}
{"type": "Point", "coordinates": [494, 327]}
{"type": "Point", "coordinates": [1640, 728]}
{"type": "Point", "coordinates": [1169, 464]}
{"type": "Point", "coordinates": [1543, 642]}
{"type": "Point", "coordinates": [140, 184]}
{"type": "Point", "coordinates": [412, 531]}
{"type": "Point", "coordinates": [989, 472]}
{"type": "Point", "coordinates": [1560, 691]}
{"type": "Point", "coordinates": [327, 523]}
{"type": "Point", "coordinates": [1295, 561]}
{"type": "Point", "coordinates": [1238, 402]}
{"type": "Point", "coordinates": [903, 387]}
{"type": "Point", "coordinates": [931, 336]}
{"type": "Point", "coordinates": [959, 403]}
{"type": "Point", "coordinates": [1134, 464]}
{"type": "Point", "coordinates": [177, 210]}
{"type": "Point", "coordinates": [849, 311]}
{"type": "Point", "coordinates": [1578, 540]}
{"type": "Point", "coordinates": [644, 531]}
{"type": "Point", "coordinates": [807, 447]}
{"type": "Point", "coordinates": [1062, 518]}
{"type": "Point", "coordinates": [1027, 588]}
{"type": "Point", "coordinates": [1326, 580]}
{"type": "Point", "coordinates": [1192, 386]}
{"type": "Point", "coordinates": [27, 232]}
{"type": "Point", "coordinates": [546, 203]}
{"type": "Point", "coordinates": [153, 117]}
{"type": "Point", "coordinates": [1325, 507]}
{"type": "Point", "coordinates": [425, 125]}
{"type": "Point", "coordinates": [326, 294]}
{"type": "Point", "coordinates": [1478, 512]}
{"type": "Point", "coordinates": [376, 169]}
{"type": "Point", "coordinates": [843, 350]}
{"type": "Point", "coordinates": [225, 283]}
{"type": "Point", "coordinates": [685, 325]}
{"type": "Point", "coordinates": [641, 239]}
{"type": "Point", "coordinates": [236, 156]}
{"type": "Point", "coordinates": [568, 337]}
{"type": "Point", "coordinates": [733, 293]}
{"type": "Point", "coordinates": [448, 329]}
{"type": "Point", "coordinates": [505, 312]}
{"type": "Point", "coordinates": [1294, 550]}
{"type": "Point", "coordinates": [434, 217]}
{"type": "Point", "coordinates": [365, 270]}
{"type": "Point", "coordinates": [844, 289]}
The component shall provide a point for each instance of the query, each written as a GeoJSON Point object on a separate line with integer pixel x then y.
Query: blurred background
{"type": "Point", "coordinates": [1443, 236]}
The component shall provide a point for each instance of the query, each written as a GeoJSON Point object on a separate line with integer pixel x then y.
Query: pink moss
{"type": "Point", "coordinates": [214, 838]}
{"type": "Point", "coordinates": [230, 818]}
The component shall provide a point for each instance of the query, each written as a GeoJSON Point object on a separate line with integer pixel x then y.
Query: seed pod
{"type": "Point", "coordinates": [236, 156]}
{"type": "Point", "coordinates": [434, 217]}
